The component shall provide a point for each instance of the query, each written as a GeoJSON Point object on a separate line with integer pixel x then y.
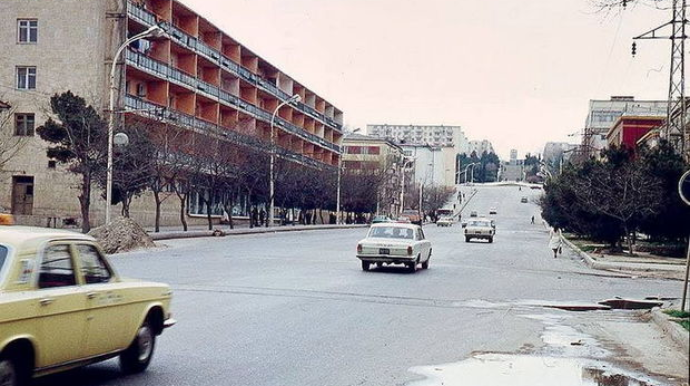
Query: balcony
{"type": "Point", "coordinates": [147, 18]}
{"type": "Point", "coordinates": [160, 69]}
{"type": "Point", "coordinates": [162, 113]}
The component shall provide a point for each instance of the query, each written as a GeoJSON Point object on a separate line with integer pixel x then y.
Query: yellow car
{"type": "Point", "coordinates": [63, 306]}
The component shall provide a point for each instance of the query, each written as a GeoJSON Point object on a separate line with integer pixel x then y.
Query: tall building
{"type": "Point", "coordinates": [197, 79]}
{"type": "Point", "coordinates": [479, 147]}
{"type": "Point", "coordinates": [513, 156]}
{"type": "Point", "coordinates": [604, 113]}
{"type": "Point", "coordinates": [433, 165]}
{"type": "Point", "coordinates": [432, 135]}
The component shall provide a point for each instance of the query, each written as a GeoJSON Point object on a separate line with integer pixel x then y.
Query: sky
{"type": "Point", "coordinates": [518, 73]}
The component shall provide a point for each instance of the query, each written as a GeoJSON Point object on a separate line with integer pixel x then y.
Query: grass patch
{"type": "Point", "coordinates": [685, 324]}
{"type": "Point", "coordinates": [677, 314]}
{"type": "Point", "coordinates": [680, 315]}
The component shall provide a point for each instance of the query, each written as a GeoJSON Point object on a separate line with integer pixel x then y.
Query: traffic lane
{"type": "Point", "coordinates": [226, 338]}
{"type": "Point", "coordinates": [518, 265]}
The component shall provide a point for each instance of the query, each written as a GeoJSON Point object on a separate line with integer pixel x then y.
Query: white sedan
{"type": "Point", "coordinates": [394, 243]}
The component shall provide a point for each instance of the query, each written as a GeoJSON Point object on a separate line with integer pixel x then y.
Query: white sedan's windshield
{"type": "Point", "coordinates": [392, 233]}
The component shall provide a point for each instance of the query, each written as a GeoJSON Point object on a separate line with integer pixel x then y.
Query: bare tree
{"type": "Point", "coordinates": [168, 162]}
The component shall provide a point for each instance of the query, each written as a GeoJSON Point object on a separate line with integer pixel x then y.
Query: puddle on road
{"type": "Point", "coordinates": [526, 370]}
{"type": "Point", "coordinates": [568, 358]}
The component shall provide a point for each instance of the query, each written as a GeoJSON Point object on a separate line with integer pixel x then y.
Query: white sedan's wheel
{"type": "Point", "coordinates": [8, 373]}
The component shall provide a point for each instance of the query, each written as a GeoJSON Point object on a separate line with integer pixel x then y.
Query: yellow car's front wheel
{"type": "Point", "coordinates": [137, 356]}
{"type": "Point", "coordinates": [8, 373]}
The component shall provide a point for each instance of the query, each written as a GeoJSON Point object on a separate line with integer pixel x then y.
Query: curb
{"type": "Point", "coordinates": [240, 232]}
{"type": "Point", "coordinates": [600, 265]}
{"type": "Point", "coordinates": [674, 330]}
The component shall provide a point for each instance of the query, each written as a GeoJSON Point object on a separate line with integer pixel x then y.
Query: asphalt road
{"type": "Point", "coordinates": [296, 308]}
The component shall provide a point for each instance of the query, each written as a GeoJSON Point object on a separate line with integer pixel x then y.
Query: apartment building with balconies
{"type": "Point", "coordinates": [197, 78]}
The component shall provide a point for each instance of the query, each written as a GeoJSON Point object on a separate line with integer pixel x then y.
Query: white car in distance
{"type": "Point", "coordinates": [480, 228]}
{"type": "Point", "coordinates": [394, 243]}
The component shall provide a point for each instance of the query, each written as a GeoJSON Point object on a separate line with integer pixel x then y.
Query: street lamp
{"type": "Point", "coordinates": [467, 167]}
{"type": "Point", "coordinates": [406, 162]}
{"type": "Point", "coordinates": [271, 190]}
{"type": "Point", "coordinates": [340, 170]}
{"type": "Point", "coordinates": [153, 32]}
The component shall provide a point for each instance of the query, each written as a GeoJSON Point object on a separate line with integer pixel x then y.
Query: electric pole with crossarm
{"type": "Point", "coordinates": [674, 129]}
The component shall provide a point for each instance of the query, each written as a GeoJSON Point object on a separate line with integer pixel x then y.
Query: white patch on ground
{"type": "Point", "coordinates": [525, 370]}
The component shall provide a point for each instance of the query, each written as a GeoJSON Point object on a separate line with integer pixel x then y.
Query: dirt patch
{"type": "Point", "coordinates": [122, 235]}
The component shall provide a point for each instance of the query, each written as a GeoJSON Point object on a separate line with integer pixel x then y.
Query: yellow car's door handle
{"type": "Point", "coordinates": [91, 295]}
{"type": "Point", "coordinates": [46, 301]}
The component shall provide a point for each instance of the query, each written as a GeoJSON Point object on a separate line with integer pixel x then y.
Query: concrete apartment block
{"type": "Point", "coordinates": [198, 79]}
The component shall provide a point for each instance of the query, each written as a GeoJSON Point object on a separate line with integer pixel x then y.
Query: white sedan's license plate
{"type": "Point", "coordinates": [384, 251]}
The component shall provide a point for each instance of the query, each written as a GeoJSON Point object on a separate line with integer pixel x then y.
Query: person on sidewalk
{"type": "Point", "coordinates": [532, 219]}
{"type": "Point", "coordinates": [556, 241]}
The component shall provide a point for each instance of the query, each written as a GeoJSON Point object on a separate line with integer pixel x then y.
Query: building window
{"type": "Point", "coordinates": [24, 125]}
{"type": "Point", "coordinates": [26, 78]}
{"type": "Point", "coordinates": [354, 150]}
{"type": "Point", "coordinates": [374, 150]}
{"type": "Point", "coordinates": [27, 31]}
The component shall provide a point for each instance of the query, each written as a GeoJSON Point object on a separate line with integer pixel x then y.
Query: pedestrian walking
{"type": "Point", "coordinates": [556, 241]}
{"type": "Point", "coordinates": [532, 219]}
{"type": "Point", "coordinates": [262, 217]}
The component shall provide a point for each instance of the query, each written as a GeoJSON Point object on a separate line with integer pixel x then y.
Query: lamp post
{"type": "Point", "coordinates": [467, 167]}
{"type": "Point", "coordinates": [402, 188]}
{"type": "Point", "coordinates": [340, 171]}
{"type": "Point", "coordinates": [271, 189]}
{"type": "Point", "coordinates": [153, 32]}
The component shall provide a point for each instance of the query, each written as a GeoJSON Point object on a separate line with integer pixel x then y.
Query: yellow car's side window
{"type": "Point", "coordinates": [93, 268]}
{"type": "Point", "coordinates": [57, 269]}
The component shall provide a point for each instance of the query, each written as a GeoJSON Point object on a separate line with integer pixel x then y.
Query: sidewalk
{"type": "Point", "coordinates": [224, 230]}
{"type": "Point", "coordinates": [651, 266]}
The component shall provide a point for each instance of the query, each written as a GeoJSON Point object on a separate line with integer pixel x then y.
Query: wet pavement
{"type": "Point", "coordinates": [568, 358]}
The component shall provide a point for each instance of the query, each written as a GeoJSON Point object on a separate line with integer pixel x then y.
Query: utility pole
{"type": "Point", "coordinates": [674, 130]}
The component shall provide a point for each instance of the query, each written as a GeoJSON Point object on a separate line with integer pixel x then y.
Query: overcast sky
{"type": "Point", "coordinates": [518, 73]}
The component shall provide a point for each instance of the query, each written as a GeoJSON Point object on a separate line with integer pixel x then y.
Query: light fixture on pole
{"type": "Point", "coordinates": [340, 170]}
{"type": "Point", "coordinates": [153, 32]}
{"type": "Point", "coordinates": [271, 189]}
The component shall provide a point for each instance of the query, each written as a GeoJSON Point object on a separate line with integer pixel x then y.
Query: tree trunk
{"type": "Point", "coordinates": [157, 199]}
{"type": "Point", "coordinates": [208, 214]}
{"type": "Point", "coordinates": [629, 240]}
{"type": "Point", "coordinates": [85, 203]}
{"type": "Point", "coordinates": [183, 209]}
{"type": "Point", "coordinates": [321, 216]}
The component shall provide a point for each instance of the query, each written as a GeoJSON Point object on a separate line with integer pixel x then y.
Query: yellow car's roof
{"type": "Point", "coordinates": [22, 237]}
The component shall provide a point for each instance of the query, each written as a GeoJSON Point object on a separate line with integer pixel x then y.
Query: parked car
{"type": "Point", "coordinates": [445, 221]}
{"type": "Point", "coordinates": [63, 306]}
{"type": "Point", "coordinates": [394, 244]}
{"type": "Point", "coordinates": [473, 213]}
{"type": "Point", "coordinates": [480, 228]}
{"type": "Point", "coordinates": [413, 216]}
{"type": "Point", "coordinates": [493, 211]}
{"type": "Point", "coordinates": [380, 219]}
{"type": "Point", "coordinates": [524, 200]}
